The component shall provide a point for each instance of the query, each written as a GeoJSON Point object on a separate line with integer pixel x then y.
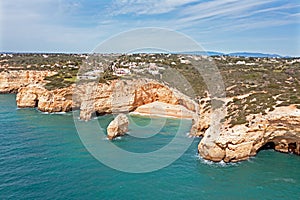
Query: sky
{"type": "Point", "coordinates": [76, 26]}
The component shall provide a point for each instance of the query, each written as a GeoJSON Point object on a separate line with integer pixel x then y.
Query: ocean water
{"type": "Point", "coordinates": [42, 157]}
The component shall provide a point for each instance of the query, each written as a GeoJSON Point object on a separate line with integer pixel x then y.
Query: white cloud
{"type": "Point", "coordinates": [208, 15]}
{"type": "Point", "coordinates": [219, 8]}
{"type": "Point", "coordinates": [146, 7]}
{"type": "Point", "coordinates": [207, 6]}
{"type": "Point", "coordinates": [235, 15]}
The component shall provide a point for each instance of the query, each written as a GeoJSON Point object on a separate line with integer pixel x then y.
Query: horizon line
{"type": "Point", "coordinates": [216, 53]}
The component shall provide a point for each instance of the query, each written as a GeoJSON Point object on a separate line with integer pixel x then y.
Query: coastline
{"type": "Point", "coordinates": [241, 135]}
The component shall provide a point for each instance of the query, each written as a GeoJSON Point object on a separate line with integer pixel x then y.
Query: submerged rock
{"type": "Point", "coordinates": [118, 127]}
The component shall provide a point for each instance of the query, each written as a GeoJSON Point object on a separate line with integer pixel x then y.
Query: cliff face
{"type": "Point", "coordinates": [118, 96]}
{"type": "Point", "coordinates": [36, 95]}
{"type": "Point", "coordinates": [126, 96]}
{"type": "Point", "coordinates": [11, 81]}
{"type": "Point", "coordinates": [278, 129]}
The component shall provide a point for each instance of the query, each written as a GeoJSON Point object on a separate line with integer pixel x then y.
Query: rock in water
{"type": "Point", "coordinates": [118, 127]}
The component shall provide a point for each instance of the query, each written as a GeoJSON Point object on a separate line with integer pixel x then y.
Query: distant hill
{"type": "Point", "coordinates": [204, 53]}
{"type": "Point", "coordinates": [257, 55]}
{"type": "Point", "coordinates": [238, 54]}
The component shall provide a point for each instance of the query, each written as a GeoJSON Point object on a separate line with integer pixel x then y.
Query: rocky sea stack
{"type": "Point", "coordinates": [118, 127]}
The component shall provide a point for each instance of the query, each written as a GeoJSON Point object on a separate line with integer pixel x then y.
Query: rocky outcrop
{"type": "Point", "coordinates": [59, 100]}
{"type": "Point", "coordinates": [28, 97]}
{"type": "Point", "coordinates": [279, 128]}
{"type": "Point", "coordinates": [36, 95]}
{"type": "Point", "coordinates": [11, 81]}
{"type": "Point", "coordinates": [126, 95]}
{"type": "Point", "coordinates": [119, 96]}
{"type": "Point", "coordinates": [118, 127]}
{"type": "Point", "coordinates": [202, 122]}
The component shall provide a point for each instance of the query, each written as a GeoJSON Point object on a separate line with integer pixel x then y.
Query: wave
{"type": "Point", "coordinates": [287, 180]}
{"type": "Point", "coordinates": [56, 113]}
{"type": "Point", "coordinates": [215, 164]}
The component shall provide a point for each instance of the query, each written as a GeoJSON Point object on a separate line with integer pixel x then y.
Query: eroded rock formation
{"type": "Point", "coordinates": [117, 97]}
{"type": "Point", "coordinates": [35, 95]}
{"type": "Point", "coordinates": [280, 127]}
{"type": "Point", "coordinates": [11, 81]}
{"type": "Point", "coordinates": [126, 96]}
{"type": "Point", "coordinates": [118, 127]}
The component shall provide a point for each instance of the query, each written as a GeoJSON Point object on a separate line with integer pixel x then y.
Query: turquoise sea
{"type": "Point", "coordinates": [42, 157]}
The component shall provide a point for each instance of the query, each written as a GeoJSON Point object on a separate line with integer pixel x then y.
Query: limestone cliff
{"type": "Point", "coordinates": [116, 97]}
{"type": "Point", "coordinates": [279, 129]}
{"type": "Point", "coordinates": [126, 96]}
{"type": "Point", "coordinates": [35, 95]}
{"type": "Point", "coordinates": [11, 81]}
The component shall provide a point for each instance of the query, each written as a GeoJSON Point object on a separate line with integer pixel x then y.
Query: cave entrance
{"type": "Point", "coordinates": [97, 114]}
{"type": "Point", "coordinates": [292, 147]}
{"type": "Point", "coordinates": [36, 103]}
{"type": "Point", "coordinates": [268, 145]}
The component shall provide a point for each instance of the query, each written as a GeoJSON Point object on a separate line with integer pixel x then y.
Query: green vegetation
{"type": "Point", "coordinates": [173, 61]}
{"type": "Point", "coordinates": [107, 76]}
{"type": "Point", "coordinates": [64, 78]}
{"type": "Point", "coordinates": [30, 61]}
{"type": "Point", "coordinates": [272, 82]}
